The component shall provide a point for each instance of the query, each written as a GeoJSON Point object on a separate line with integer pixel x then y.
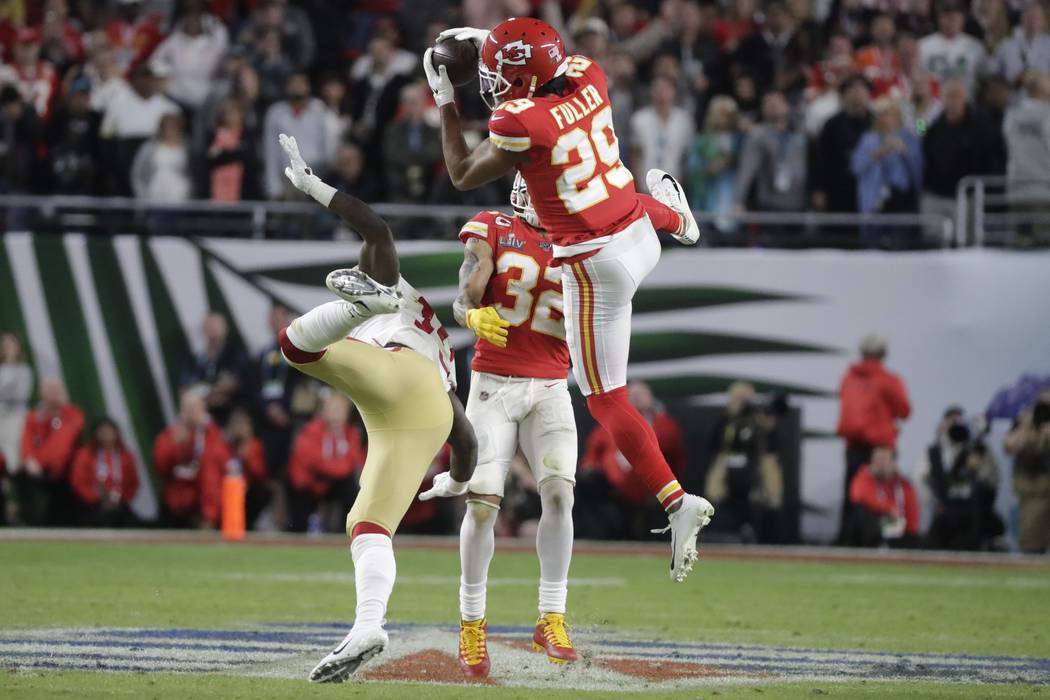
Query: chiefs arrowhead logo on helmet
{"type": "Point", "coordinates": [519, 55]}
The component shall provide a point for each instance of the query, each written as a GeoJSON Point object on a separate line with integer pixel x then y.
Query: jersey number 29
{"type": "Point", "coordinates": [578, 186]}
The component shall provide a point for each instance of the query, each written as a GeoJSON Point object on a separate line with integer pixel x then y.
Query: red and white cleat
{"type": "Point", "coordinates": [552, 636]}
{"type": "Point", "coordinates": [473, 649]}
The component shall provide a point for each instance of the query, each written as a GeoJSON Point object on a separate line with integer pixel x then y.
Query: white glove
{"type": "Point", "coordinates": [478, 36]}
{"type": "Point", "coordinates": [444, 486]}
{"type": "Point", "coordinates": [300, 174]}
{"type": "Point", "coordinates": [437, 77]}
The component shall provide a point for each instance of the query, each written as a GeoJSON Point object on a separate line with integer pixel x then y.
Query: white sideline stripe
{"type": "Point", "coordinates": [31, 295]}
{"type": "Point", "coordinates": [348, 577]}
{"type": "Point", "coordinates": [130, 257]}
{"type": "Point", "coordinates": [145, 502]}
{"type": "Point", "coordinates": [1014, 582]}
{"type": "Point", "coordinates": [179, 264]}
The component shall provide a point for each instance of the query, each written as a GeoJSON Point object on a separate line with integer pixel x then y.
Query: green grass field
{"type": "Point", "coordinates": [973, 610]}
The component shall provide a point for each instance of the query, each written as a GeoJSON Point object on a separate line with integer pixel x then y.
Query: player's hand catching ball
{"type": "Point", "coordinates": [444, 486]}
{"type": "Point", "coordinates": [487, 324]}
{"type": "Point", "coordinates": [437, 78]}
{"type": "Point", "coordinates": [477, 36]}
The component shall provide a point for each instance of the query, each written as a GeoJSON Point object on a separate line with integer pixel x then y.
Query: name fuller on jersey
{"type": "Point", "coordinates": [568, 113]}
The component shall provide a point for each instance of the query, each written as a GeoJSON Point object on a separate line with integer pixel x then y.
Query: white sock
{"type": "Point", "coordinates": [374, 574]}
{"type": "Point", "coordinates": [323, 325]}
{"type": "Point", "coordinates": [477, 543]}
{"type": "Point", "coordinates": [554, 544]}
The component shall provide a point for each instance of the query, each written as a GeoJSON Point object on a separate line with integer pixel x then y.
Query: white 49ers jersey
{"type": "Point", "coordinates": [415, 326]}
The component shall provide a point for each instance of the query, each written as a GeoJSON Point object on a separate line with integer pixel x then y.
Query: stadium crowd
{"type": "Point", "coordinates": [764, 105]}
{"type": "Point", "coordinates": [300, 450]}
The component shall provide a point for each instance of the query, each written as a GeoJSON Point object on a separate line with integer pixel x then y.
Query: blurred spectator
{"type": "Point", "coordinates": [989, 22]}
{"type": "Point", "coordinates": [276, 385]}
{"type": "Point", "coordinates": [964, 479]}
{"type": "Point", "coordinates": [959, 143]}
{"type": "Point", "coordinates": [885, 510]}
{"type": "Point", "coordinates": [249, 459]}
{"type": "Point", "coordinates": [772, 171]}
{"type": "Point", "coordinates": [626, 96]}
{"type": "Point", "coordinates": [16, 386]}
{"type": "Point", "coordinates": [134, 33]}
{"type": "Point", "coordinates": [712, 162]}
{"type": "Point", "coordinates": [411, 149]}
{"type": "Point", "coordinates": [60, 37]}
{"type": "Point", "coordinates": [660, 133]}
{"type": "Point", "coordinates": [20, 128]}
{"type": "Point", "coordinates": [239, 83]}
{"type": "Point", "coordinates": [872, 400]}
{"type": "Point", "coordinates": [35, 79]}
{"type": "Point", "coordinates": [104, 478]}
{"type": "Point", "coordinates": [233, 166]}
{"type": "Point", "coordinates": [1026, 128]}
{"type": "Point", "coordinates": [1028, 49]}
{"type": "Point", "coordinates": [72, 136]}
{"type": "Point", "coordinates": [161, 169]}
{"type": "Point", "coordinates": [294, 32]}
{"type": "Point", "coordinates": [217, 371]}
{"type": "Point", "coordinates": [337, 113]}
{"type": "Point", "coordinates": [744, 480]}
{"type": "Point", "coordinates": [270, 64]}
{"type": "Point", "coordinates": [190, 459]}
{"type": "Point", "coordinates": [738, 23]}
{"type": "Point", "coordinates": [106, 76]}
{"type": "Point", "coordinates": [949, 53]}
{"type": "Point", "coordinates": [693, 45]}
{"type": "Point", "coordinates": [748, 104]}
{"type": "Point", "coordinates": [835, 187]}
{"type": "Point", "coordinates": [773, 54]}
{"type": "Point", "coordinates": [350, 174]}
{"type": "Point", "coordinates": [822, 94]}
{"type": "Point", "coordinates": [49, 440]}
{"type": "Point", "coordinates": [631, 30]}
{"type": "Point", "coordinates": [1029, 444]}
{"type": "Point", "coordinates": [190, 55]}
{"type": "Point", "coordinates": [377, 93]}
{"type": "Point", "coordinates": [879, 61]}
{"type": "Point", "coordinates": [303, 117]}
{"type": "Point", "coordinates": [887, 163]}
{"type": "Point", "coordinates": [321, 472]}
{"type": "Point", "coordinates": [131, 118]}
{"type": "Point", "coordinates": [621, 504]}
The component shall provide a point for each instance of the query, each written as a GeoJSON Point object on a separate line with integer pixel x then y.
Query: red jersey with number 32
{"type": "Point", "coordinates": [525, 288]}
{"type": "Point", "coordinates": [578, 184]}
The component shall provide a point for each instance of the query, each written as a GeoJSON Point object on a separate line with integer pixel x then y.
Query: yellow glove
{"type": "Point", "coordinates": [486, 324]}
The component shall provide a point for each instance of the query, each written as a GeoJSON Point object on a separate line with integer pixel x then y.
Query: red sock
{"type": "Point", "coordinates": [367, 528]}
{"type": "Point", "coordinates": [664, 218]}
{"type": "Point", "coordinates": [299, 357]}
{"type": "Point", "coordinates": [634, 437]}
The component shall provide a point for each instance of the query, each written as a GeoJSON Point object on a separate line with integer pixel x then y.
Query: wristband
{"type": "Point", "coordinates": [321, 191]}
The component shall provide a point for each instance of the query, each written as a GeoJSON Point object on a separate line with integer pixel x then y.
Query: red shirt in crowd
{"type": "Point", "coordinates": [253, 461]}
{"type": "Point", "coordinates": [320, 457]}
{"type": "Point", "coordinates": [601, 453]}
{"type": "Point", "coordinates": [134, 41]}
{"type": "Point", "coordinates": [51, 438]}
{"type": "Point", "coordinates": [99, 473]}
{"type": "Point", "coordinates": [191, 471]}
{"type": "Point", "coordinates": [893, 497]}
{"type": "Point", "coordinates": [873, 399]}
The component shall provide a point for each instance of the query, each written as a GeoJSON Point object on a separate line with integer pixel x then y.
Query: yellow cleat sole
{"type": "Point", "coordinates": [560, 662]}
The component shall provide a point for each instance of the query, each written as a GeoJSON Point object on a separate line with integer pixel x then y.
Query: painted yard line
{"type": "Point", "coordinates": [348, 577]}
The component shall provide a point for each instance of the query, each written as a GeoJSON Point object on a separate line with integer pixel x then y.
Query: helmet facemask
{"type": "Point", "coordinates": [521, 203]}
{"type": "Point", "coordinates": [493, 86]}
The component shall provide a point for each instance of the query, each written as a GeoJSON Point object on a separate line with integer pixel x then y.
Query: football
{"type": "Point", "coordinates": [460, 59]}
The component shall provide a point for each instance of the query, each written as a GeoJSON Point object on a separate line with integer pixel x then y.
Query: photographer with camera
{"type": "Point", "coordinates": [964, 479]}
{"type": "Point", "coordinates": [885, 510]}
{"type": "Point", "coordinates": [1029, 444]}
{"type": "Point", "coordinates": [745, 480]}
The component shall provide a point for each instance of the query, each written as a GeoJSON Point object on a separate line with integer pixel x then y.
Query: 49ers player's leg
{"type": "Point", "coordinates": [598, 291]}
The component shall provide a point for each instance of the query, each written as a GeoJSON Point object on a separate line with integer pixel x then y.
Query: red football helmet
{"type": "Point", "coordinates": [519, 55]}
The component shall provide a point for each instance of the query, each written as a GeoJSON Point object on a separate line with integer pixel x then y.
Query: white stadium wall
{"type": "Point", "coordinates": [116, 317]}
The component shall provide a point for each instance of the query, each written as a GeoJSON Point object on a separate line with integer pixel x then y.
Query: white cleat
{"type": "Point", "coordinates": [366, 296]}
{"type": "Point", "coordinates": [685, 525]}
{"type": "Point", "coordinates": [666, 190]}
{"type": "Point", "coordinates": [357, 648]}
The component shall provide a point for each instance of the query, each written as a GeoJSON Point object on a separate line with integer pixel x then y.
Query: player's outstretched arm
{"type": "Point", "coordinates": [378, 254]}
{"type": "Point", "coordinates": [467, 169]}
{"type": "Point", "coordinates": [464, 446]}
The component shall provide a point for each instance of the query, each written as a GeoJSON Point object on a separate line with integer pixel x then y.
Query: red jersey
{"type": "Point", "coordinates": [579, 186]}
{"type": "Point", "coordinates": [525, 288]}
{"type": "Point", "coordinates": [38, 84]}
{"type": "Point", "coordinates": [51, 438]}
{"type": "Point", "coordinates": [97, 472]}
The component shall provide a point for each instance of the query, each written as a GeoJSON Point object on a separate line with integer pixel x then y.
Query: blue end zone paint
{"type": "Point", "coordinates": [285, 649]}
